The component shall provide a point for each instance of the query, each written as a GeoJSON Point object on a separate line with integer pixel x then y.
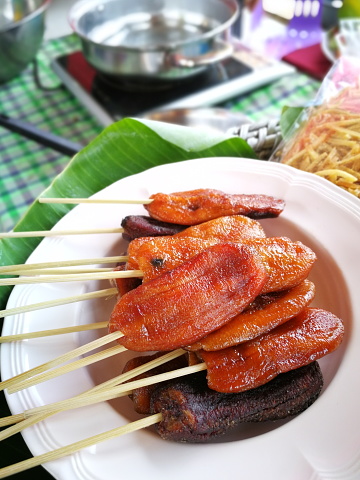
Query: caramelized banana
{"type": "Point", "coordinates": [124, 285]}
{"type": "Point", "coordinates": [305, 338]}
{"type": "Point", "coordinates": [232, 228]}
{"type": "Point", "coordinates": [265, 313]}
{"type": "Point", "coordinates": [197, 206]}
{"type": "Point", "coordinates": [287, 263]}
{"type": "Point", "coordinates": [184, 304]}
{"type": "Point", "coordinates": [137, 226]}
{"type": "Point", "coordinates": [235, 228]}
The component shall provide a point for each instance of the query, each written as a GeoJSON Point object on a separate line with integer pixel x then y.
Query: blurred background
{"type": "Point", "coordinates": [280, 11]}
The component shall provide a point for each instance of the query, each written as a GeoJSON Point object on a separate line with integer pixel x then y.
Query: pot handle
{"type": "Point", "coordinates": [223, 51]}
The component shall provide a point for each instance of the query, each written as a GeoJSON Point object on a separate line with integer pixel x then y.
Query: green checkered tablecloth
{"type": "Point", "coordinates": [267, 102]}
{"type": "Point", "coordinates": [27, 168]}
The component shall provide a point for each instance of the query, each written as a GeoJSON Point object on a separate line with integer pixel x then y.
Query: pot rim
{"type": "Point", "coordinates": [15, 24]}
{"type": "Point", "coordinates": [86, 5]}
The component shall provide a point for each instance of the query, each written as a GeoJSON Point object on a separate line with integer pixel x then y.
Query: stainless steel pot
{"type": "Point", "coordinates": [22, 24]}
{"type": "Point", "coordinates": [153, 39]}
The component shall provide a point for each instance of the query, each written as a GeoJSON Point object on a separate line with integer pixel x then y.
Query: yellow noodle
{"type": "Point", "coordinates": [329, 143]}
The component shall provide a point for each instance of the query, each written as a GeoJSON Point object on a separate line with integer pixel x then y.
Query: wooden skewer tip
{"type": "Point", "coordinates": [5, 269]}
{"type": "Point", "coordinates": [76, 201]}
{"type": "Point", "coordinates": [109, 292]}
{"type": "Point", "coordinates": [54, 233]}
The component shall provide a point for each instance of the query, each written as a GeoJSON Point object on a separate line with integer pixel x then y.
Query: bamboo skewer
{"type": "Point", "coordinates": [54, 331]}
{"type": "Point", "coordinates": [124, 377]}
{"type": "Point", "coordinates": [102, 386]}
{"type": "Point", "coordinates": [6, 269]}
{"type": "Point", "coordinates": [40, 413]}
{"type": "Point", "coordinates": [19, 427]}
{"type": "Point", "coordinates": [70, 367]}
{"type": "Point", "coordinates": [55, 233]}
{"type": "Point", "coordinates": [108, 390]}
{"type": "Point", "coordinates": [74, 447]}
{"type": "Point", "coordinates": [11, 419]}
{"type": "Point", "coordinates": [108, 292]}
{"type": "Point", "coordinates": [76, 277]}
{"type": "Point", "coordinates": [103, 392]}
{"type": "Point", "coordinates": [61, 359]}
{"type": "Point", "coordinates": [103, 395]}
{"type": "Point", "coordinates": [75, 201]}
{"type": "Point", "coordinates": [37, 414]}
{"type": "Point", "coordinates": [60, 271]}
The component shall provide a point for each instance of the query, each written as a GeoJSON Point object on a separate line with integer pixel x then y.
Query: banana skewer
{"type": "Point", "coordinates": [100, 393]}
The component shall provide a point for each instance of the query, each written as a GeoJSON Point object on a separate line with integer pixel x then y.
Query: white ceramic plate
{"type": "Point", "coordinates": [321, 443]}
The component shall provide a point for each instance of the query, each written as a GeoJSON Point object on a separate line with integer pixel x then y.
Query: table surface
{"type": "Point", "coordinates": [27, 168]}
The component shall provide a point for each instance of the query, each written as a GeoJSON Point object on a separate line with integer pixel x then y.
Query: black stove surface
{"type": "Point", "coordinates": [129, 97]}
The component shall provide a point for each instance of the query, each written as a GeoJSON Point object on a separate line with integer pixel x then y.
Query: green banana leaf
{"type": "Point", "coordinates": [125, 148]}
